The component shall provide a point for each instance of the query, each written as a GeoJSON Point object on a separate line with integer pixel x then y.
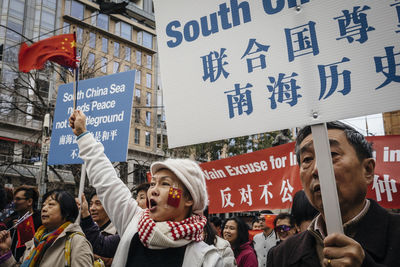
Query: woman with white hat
{"type": "Point", "coordinates": [170, 231]}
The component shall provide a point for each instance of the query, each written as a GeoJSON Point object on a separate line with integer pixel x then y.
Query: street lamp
{"type": "Point", "coordinates": [42, 178]}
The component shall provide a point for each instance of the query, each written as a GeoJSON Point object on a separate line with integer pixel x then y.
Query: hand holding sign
{"type": "Point", "coordinates": [77, 121]}
{"type": "Point", "coordinates": [341, 250]}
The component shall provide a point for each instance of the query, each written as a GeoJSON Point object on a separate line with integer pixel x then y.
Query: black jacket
{"type": "Point", "coordinates": [378, 233]}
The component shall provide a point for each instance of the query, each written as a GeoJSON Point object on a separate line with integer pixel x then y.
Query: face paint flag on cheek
{"type": "Point", "coordinates": [174, 197]}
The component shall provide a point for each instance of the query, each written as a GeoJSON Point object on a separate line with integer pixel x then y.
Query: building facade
{"type": "Point", "coordinates": [107, 43]}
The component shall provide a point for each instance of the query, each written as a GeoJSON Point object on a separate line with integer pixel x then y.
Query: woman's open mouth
{"type": "Point", "coordinates": [153, 205]}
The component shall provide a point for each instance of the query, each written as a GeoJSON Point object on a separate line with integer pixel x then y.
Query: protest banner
{"type": "Point", "coordinates": [268, 179]}
{"type": "Point", "coordinates": [232, 68]}
{"type": "Point", "coordinates": [107, 104]}
{"type": "Point", "coordinates": [256, 66]}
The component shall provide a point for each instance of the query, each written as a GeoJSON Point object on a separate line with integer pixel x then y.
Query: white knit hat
{"type": "Point", "coordinates": [191, 175]}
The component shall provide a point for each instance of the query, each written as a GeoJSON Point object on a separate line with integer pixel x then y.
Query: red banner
{"type": "Point", "coordinates": [268, 179]}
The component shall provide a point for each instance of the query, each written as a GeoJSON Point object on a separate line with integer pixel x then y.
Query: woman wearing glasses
{"type": "Point", "coordinates": [59, 242]}
{"type": "Point", "coordinates": [236, 231]}
{"type": "Point", "coordinates": [284, 226]}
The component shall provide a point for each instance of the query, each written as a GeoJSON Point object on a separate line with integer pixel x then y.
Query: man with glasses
{"type": "Point", "coordinates": [264, 241]}
{"type": "Point", "coordinates": [284, 226]}
{"type": "Point", "coordinates": [25, 200]}
{"type": "Point", "coordinates": [371, 234]}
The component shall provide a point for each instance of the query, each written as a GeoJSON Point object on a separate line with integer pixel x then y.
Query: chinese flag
{"type": "Point", "coordinates": [269, 220]}
{"type": "Point", "coordinates": [26, 231]}
{"type": "Point", "coordinates": [252, 233]}
{"type": "Point", "coordinates": [60, 49]}
{"type": "Point", "coordinates": [174, 196]}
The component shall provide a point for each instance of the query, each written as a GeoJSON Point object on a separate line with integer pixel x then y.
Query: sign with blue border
{"type": "Point", "coordinates": [235, 67]}
{"type": "Point", "coordinates": [107, 104]}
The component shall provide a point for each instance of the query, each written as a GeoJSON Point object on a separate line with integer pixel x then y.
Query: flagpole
{"type": "Point", "coordinates": [83, 168]}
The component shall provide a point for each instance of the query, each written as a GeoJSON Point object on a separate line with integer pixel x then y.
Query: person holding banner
{"type": "Point", "coordinates": [170, 231]}
{"type": "Point", "coordinates": [371, 233]}
{"type": "Point", "coordinates": [25, 200]}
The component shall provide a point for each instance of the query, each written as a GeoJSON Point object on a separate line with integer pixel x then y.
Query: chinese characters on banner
{"type": "Point", "coordinates": [269, 178]}
{"type": "Point", "coordinates": [248, 67]}
{"type": "Point", "coordinates": [107, 104]}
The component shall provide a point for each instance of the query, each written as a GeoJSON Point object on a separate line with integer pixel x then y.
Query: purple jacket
{"type": "Point", "coordinates": [247, 256]}
{"type": "Point", "coordinates": [103, 245]}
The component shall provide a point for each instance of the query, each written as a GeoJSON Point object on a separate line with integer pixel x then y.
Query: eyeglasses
{"type": "Point", "coordinates": [283, 228]}
{"type": "Point", "coordinates": [20, 198]}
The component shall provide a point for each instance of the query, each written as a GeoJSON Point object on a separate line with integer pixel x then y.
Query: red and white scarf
{"type": "Point", "coordinates": [161, 235]}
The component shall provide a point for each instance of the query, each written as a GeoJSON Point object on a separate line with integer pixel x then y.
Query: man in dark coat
{"type": "Point", "coordinates": [25, 199]}
{"type": "Point", "coordinates": [371, 233]}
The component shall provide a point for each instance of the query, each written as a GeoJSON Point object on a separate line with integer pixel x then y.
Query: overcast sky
{"type": "Point", "coordinates": [375, 124]}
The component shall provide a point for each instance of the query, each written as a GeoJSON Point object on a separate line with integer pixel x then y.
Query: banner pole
{"type": "Point", "coordinates": [80, 192]}
{"type": "Point", "coordinates": [330, 200]}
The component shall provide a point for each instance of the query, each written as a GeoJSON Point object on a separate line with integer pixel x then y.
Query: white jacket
{"type": "Point", "coordinates": [225, 250]}
{"type": "Point", "coordinates": [124, 211]}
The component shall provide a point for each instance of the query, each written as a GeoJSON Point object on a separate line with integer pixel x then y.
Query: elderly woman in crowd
{"type": "Point", "coordinates": [170, 231]}
{"type": "Point", "coordinates": [58, 242]}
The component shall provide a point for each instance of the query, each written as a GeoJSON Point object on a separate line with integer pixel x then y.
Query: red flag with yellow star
{"type": "Point", "coordinates": [60, 49]}
{"type": "Point", "coordinates": [174, 197]}
{"type": "Point", "coordinates": [25, 231]}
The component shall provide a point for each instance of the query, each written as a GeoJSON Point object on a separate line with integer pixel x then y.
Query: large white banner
{"type": "Point", "coordinates": [232, 68]}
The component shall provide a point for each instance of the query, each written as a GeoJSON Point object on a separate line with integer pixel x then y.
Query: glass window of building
{"type": "Point", "coordinates": [79, 35]}
{"type": "Point", "coordinates": [149, 62]}
{"type": "Point", "coordinates": [104, 45]}
{"type": "Point", "coordinates": [147, 40]}
{"type": "Point", "coordinates": [116, 49]}
{"type": "Point", "coordinates": [126, 31]}
{"type": "Point", "coordinates": [16, 25]}
{"type": "Point", "coordinates": [104, 64]}
{"type": "Point", "coordinates": [67, 7]}
{"type": "Point", "coordinates": [148, 99]}
{"type": "Point", "coordinates": [148, 138]}
{"type": "Point", "coordinates": [148, 118]}
{"type": "Point", "coordinates": [77, 10]}
{"type": "Point", "coordinates": [102, 21]}
{"type": "Point", "coordinates": [49, 3]}
{"type": "Point", "coordinates": [66, 27]}
{"type": "Point", "coordinates": [137, 115]}
{"type": "Point", "coordinates": [91, 58]}
{"type": "Point", "coordinates": [148, 80]}
{"type": "Point", "coordinates": [137, 95]}
{"type": "Point", "coordinates": [127, 53]}
{"type": "Point", "coordinates": [139, 58]}
{"type": "Point", "coordinates": [92, 40]}
{"type": "Point", "coordinates": [116, 67]}
{"type": "Point", "coordinates": [126, 68]}
{"type": "Point", "coordinates": [47, 19]}
{"type": "Point", "coordinates": [16, 9]}
{"type": "Point", "coordinates": [117, 30]}
{"type": "Point", "coordinates": [137, 136]}
{"type": "Point", "coordinates": [93, 18]}
{"type": "Point", "coordinates": [138, 77]}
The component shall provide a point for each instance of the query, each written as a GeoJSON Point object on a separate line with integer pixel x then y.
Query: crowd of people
{"type": "Point", "coordinates": [165, 222]}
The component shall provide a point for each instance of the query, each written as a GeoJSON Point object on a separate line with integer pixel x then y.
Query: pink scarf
{"type": "Point", "coordinates": [160, 235]}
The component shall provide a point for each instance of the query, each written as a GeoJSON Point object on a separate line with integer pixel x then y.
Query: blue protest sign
{"type": "Point", "coordinates": [107, 104]}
